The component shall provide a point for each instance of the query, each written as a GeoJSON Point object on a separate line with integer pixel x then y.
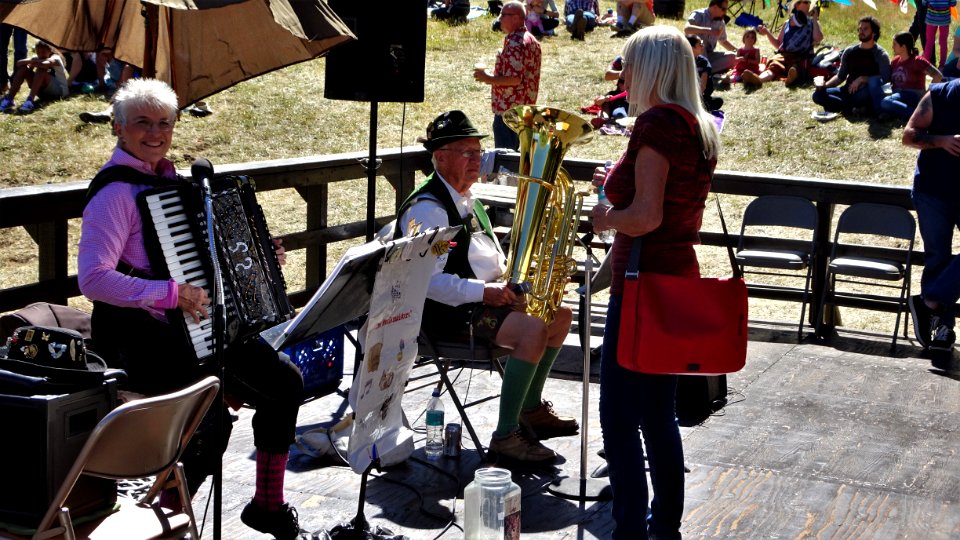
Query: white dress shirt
{"type": "Point", "coordinates": [485, 256]}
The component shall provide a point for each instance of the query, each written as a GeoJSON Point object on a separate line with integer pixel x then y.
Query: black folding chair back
{"type": "Point", "coordinates": [790, 258]}
{"type": "Point", "coordinates": [863, 254]}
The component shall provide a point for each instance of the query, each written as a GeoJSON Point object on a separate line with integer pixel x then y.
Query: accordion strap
{"type": "Point", "coordinates": [128, 175]}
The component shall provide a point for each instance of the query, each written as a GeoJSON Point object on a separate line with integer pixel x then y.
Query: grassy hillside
{"type": "Point", "coordinates": [284, 114]}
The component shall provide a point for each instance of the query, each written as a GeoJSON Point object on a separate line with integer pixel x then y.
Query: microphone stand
{"type": "Point", "coordinates": [583, 488]}
{"type": "Point", "coordinates": [219, 335]}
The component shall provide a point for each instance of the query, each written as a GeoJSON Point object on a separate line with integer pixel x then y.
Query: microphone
{"type": "Point", "coordinates": [202, 171]}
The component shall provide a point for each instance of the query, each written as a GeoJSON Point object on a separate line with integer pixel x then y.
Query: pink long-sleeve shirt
{"type": "Point", "coordinates": [112, 231]}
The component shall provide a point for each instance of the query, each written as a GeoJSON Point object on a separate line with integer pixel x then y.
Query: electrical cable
{"type": "Point", "coordinates": [206, 510]}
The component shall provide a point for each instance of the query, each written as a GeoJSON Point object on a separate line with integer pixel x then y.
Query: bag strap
{"type": "Point", "coordinates": [633, 266]}
{"type": "Point", "coordinates": [726, 238]}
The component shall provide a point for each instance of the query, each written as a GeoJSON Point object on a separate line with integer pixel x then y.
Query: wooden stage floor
{"type": "Point", "coordinates": [839, 441]}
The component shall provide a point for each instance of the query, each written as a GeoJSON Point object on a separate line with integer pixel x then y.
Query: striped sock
{"type": "Point", "coordinates": [270, 471]}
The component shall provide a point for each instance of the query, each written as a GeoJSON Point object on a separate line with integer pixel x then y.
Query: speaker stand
{"type": "Point", "coordinates": [372, 164]}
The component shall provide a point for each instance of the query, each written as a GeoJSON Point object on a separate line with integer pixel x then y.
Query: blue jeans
{"type": "Point", "coordinates": [951, 71]}
{"type": "Point", "coordinates": [836, 99]}
{"type": "Point", "coordinates": [941, 268]}
{"type": "Point", "coordinates": [631, 403]}
{"type": "Point", "coordinates": [590, 16]}
{"type": "Point", "coordinates": [19, 49]}
{"type": "Point", "coordinates": [503, 136]}
{"type": "Point", "coordinates": [900, 105]}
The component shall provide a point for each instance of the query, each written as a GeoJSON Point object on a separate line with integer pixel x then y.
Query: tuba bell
{"type": "Point", "coordinates": [547, 212]}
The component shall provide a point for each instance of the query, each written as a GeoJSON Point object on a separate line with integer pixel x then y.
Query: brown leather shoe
{"type": "Point", "coordinates": [544, 423]}
{"type": "Point", "coordinates": [750, 78]}
{"type": "Point", "coordinates": [792, 75]}
{"type": "Point", "coordinates": [519, 447]}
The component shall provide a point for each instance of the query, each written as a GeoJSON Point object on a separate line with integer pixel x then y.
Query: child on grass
{"type": "Point", "coordinates": [45, 75]}
{"type": "Point", "coordinates": [703, 73]}
{"type": "Point", "coordinates": [748, 56]}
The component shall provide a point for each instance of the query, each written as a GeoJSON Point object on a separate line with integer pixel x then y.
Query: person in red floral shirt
{"type": "Point", "coordinates": [516, 76]}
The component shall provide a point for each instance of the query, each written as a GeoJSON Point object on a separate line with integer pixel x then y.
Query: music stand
{"type": "Point", "coordinates": [343, 297]}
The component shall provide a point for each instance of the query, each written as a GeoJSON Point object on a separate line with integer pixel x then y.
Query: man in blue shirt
{"type": "Point", "coordinates": [710, 23]}
{"type": "Point", "coordinates": [934, 128]}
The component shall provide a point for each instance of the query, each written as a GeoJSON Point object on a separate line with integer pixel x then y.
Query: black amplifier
{"type": "Point", "coordinates": [42, 436]}
{"type": "Point", "coordinates": [699, 396]}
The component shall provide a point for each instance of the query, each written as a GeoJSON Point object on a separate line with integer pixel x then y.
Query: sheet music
{"type": "Point", "coordinates": [343, 296]}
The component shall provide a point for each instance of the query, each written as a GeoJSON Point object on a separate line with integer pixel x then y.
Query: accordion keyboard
{"type": "Point", "coordinates": [184, 260]}
{"type": "Point", "coordinates": [175, 236]}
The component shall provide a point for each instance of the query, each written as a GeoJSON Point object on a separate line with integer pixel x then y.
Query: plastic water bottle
{"type": "Point", "coordinates": [491, 506]}
{"type": "Point", "coordinates": [607, 235]}
{"type": "Point", "coordinates": [434, 447]}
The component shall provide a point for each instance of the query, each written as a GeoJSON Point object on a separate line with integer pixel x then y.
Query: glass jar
{"type": "Point", "coordinates": [491, 506]}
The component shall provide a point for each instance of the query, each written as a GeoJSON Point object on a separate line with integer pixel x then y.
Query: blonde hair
{"type": "Point", "coordinates": [662, 70]}
{"type": "Point", "coordinates": [146, 93]}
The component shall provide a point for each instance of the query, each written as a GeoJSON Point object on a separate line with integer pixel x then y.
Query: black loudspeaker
{"type": "Point", "coordinates": [698, 396]}
{"type": "Point", "coordinates": [42, 436]}
{"type": "Point", "coordinates": [386, 63]}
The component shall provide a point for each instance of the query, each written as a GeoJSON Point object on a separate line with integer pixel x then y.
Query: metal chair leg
{"type": "Point", "coordinates": [459, 405]}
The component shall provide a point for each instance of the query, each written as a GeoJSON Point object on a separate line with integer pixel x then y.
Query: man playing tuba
{"type": "Point", "coordinates": [466, 293]}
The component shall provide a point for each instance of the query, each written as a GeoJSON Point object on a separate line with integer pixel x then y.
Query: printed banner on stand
{"type": "Point", "coordinates": [390, 346]}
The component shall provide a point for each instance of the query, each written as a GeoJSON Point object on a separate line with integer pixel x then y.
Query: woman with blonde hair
{"type": "Point", "coordinates": [658, 190]}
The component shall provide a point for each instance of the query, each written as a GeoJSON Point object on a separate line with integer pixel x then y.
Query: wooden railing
{"type": "Point", "coordinates": [43, 211]}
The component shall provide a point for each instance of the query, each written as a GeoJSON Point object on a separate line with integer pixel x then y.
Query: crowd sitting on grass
{"type": "Point", "coordinates": [864, 80]}
{"type": "Point", "coordinates": [45, 75]}
{"type": "Point", "coordinates": [51, 75]}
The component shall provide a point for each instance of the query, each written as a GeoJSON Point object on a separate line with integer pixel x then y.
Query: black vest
{"type": "Point", "coordinates": [105, 316]}
{"type": "Point", "coordinates": [457, 262]}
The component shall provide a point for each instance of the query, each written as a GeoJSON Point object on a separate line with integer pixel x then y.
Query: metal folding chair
{"type": "Point", "coordinates": [770, 254]}
{"type": "Point", "coordinates": [858, 257]}
{"type": "Point", "coordinates": [142, 438]}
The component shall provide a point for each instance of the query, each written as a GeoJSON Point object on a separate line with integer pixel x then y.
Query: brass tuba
{"type": "Point", "coordinates": [547, 211]}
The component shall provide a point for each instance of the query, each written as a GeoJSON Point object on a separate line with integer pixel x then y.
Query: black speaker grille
{"type": "Point", "coordinates": [386, 63]}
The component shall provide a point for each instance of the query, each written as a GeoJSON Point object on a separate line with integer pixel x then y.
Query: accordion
{"type": "Point", "coordinates": [175, 237]}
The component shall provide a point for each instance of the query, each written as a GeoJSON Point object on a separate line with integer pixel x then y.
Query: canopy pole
{"type": "Point", "coordinates": [372, 165]}
{"type": "Point", "coordinates": [151, 20]}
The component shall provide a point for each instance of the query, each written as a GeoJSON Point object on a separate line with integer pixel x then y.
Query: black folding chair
{"type": "Point", "coordinates": [765, 247]}
{"type": "Point", "coordinates": [858, 257]}
{"type": "Point", "coordinates": [462, 354]}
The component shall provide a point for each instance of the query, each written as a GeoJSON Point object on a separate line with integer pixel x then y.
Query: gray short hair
{"type": "Point", "coordinates": [146, 93]}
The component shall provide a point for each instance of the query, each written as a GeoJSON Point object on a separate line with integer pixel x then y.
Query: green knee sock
{"type": "Point", "coordinates": [535, 393]}
{"type": "Point", "coordinates": [517, 375]}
